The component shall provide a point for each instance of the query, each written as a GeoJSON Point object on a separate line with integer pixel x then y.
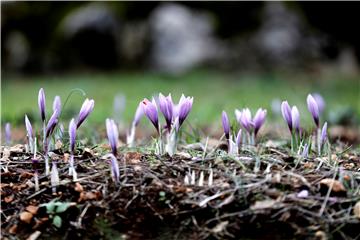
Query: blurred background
{"type": "Point", "coordinates": [226, 54]}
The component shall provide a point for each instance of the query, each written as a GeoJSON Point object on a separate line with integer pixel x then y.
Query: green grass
{"type": "Point", "coordinates": [212, 91]}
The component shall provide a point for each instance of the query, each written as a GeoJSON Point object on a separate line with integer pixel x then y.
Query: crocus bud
{"type": "Point", "coordinates": [7, 133]}
{"type": "Point", "coordinates": [167, 108]}
{"type": "Point", "coordinates": [184, 108]}
{"type": "Point", "coordinates": [57, 104]}
{"type": "Point", "coordinates": [41, 103]}
{"type": "Point", "coordinates": [246, 119]}
{"type": "Point", "coordinates": [238, 115]}
{"type": "Point", "coordinates": [138, 114]}
{"type": "Point", "coordinates": [313, 109]}
{"type": "Point", "coordinates": [150, 110]}
{"type": "Point", "coordinates": [85, 110]}
{"type": "Point", "coordinates": [226, 125]}
{"type": "Point", "coordinates": [29, 131]}
{"type": "Point", "coordinates": [286, 113]}
{"type": "Point", "coordinates": [259, 119]}
{"type": "Point", "coordinates": [115, 172]}
{"type": "Point", "coordinates": [52, 124]}
{"type": "Point", "coordinates": [113, 135]}
{"type": "Point", "coordinates": [320, 102]}
{"type": "Point", "coordinates": [72, 135]}
{"type": "Point", "coordinates": [295, 115]}
{"type": "Point", "coordinates": [323, 133]}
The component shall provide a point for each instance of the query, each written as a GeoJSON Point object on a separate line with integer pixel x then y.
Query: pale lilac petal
{"type": "Point", "coordinates": [226, 124]}
{"type": "Point", "coordinates": [286, 113]}
{"type": "Point", "coordinates": [113, 134]}
{"type": "Point", "coordinates": [85, 110]}
{"type": "Point", "coordinates": [41, 103]}
{"type": "Point", "coordinates": [72, 135]}
{"type": "Point", "coordinates": [313, 109]}
{"type": "Point", "coordinates": [295, 115]}
{"type": "Point", "coordinates": [150, 110]}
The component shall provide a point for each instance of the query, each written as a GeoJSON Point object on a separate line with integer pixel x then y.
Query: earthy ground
{"type": "Point", "coordinates": [264, 193]}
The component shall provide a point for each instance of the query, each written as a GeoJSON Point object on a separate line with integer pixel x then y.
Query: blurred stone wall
{"type": "Point", "coordinates": [177, 37]}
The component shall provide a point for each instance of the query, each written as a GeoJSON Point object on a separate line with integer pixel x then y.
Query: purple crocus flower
{"type": "Point", "coordinates": [167, 108]}
{"type": "Point", "coordinates": [29, 131]}
{"type": "Point", "coordinates": [286, 113]}
{"type": "Point", "coordinates": [8, 133]}
{"type": "Point", "coordinates": [57, 104]}
{"type": "Point", "coordinates": [313, 109]}
{"type": "Point", "coordinates": [320, 102]}
{"type": "Point", "coordinates": [113, 135]}
{"type": "Point", "coordinates": [52, 124]}
{"type": "Point", "coordinates": [226, 125]}
{"type": "Point", "coordinates": [259, 119]}
{"type": "Point", "coordinates": [85, 110]}
{"type": "Point", "coordinates": [305, 151]}
{"type": "Point", "coordinates": [323, 133]}
{"type": "Point", "coordinates": [184, 108]}
{"type": "Point", "coordinates": [41, 103]}
{"type": "Point", "coordinates": [295, 116]}
{"type": "Point", "coordinates": [246, 119]}
{"type": "Point", "coordinates": [150, 110]}
{"type": "Point", "coordinates": [72, 135]}
{"type": "Point", "coordinates": [115, 172]}
{"type": "Point", "coordinates": [138, 114]}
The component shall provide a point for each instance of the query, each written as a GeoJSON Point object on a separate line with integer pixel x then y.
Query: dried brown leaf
{"type": "Point", "coordinates": [26, 217]}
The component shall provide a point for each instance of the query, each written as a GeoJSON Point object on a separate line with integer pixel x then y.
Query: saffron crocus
{"type": "Point", "coordinates": [184, 108]}
{"type": "Point", "coordinates": [113, 135]}
{"type": "Point", "coordinates": [51, 124]}
{"type": "Point", "coordinates": [313, 109]}
{"type": "Point", "coordinates": [115, 172]}
{"type": "Point", "coordinates": [29, 132]}
{"type": "Point", "coordinates": [85, 110]}
{"type": "Point", "coordinates": [286, 113]}
{"type": "Point", "coordinates": [259, 120]}
{"type": "Point", "coordinates": [41, 103]}
{"type": "Point", "coordinates": [57, 104]}
{"type": "Point", "coordinates": [150, 110]}
{"type": "Point", "coordinates": [226, 125]}
{"type": "Point", "coordinates": [166, 106]}
{"type": "Point", "coordinates": [8, 133]}
{"type": "Point", "coordinates": [295, 116]}
{"type": "Point", "coordinates": [320, 102]}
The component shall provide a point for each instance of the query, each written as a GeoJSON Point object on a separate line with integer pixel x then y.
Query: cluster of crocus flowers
{"type": "Point", "coordinates": [291, 116]}
{"type": "Point", "coordinates": [174, 115]}
{"type": "Point", "coordinates": [251, 125]}
{"type": "Point", "coordinates": [233, 145]}
{"type": "Point", "coordinates": [321, 133]}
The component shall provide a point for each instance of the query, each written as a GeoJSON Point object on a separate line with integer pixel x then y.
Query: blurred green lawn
{"type": "Point", "coordinates": [212, 91]}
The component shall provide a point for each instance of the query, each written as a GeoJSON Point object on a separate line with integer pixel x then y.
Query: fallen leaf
{"type": "Point", "coordinates": [78, 187]}
{"type": "Point", "coordinates": [26, 217]}
{"type": "Point", "coordinates": [9, 199]}
{"type": "Point", "coordinates": [13, 229]}
{"type": "Point", "coordinates": [133, 157]}
{"type": "Point", "coordinates": [357, 209]}
{"type": "Point", "coordinates": [89, 196]}
{"type": "Point", "coordinates": [32, 209]}
{"type": "Point", "coordinates": [264, 204]}
{"type": "Point", "coordinates": [336, 185]}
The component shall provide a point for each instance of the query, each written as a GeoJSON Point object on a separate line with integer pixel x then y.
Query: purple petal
{"type": "Point", "coordinates": [313, 109]}
{"type": "Point", "coordinates": [115, 172]}
{"type": "Point", "coordinates": [286, 113]}
{"type": "Point", "coordinates": [41, 103]}
{"type": "Point", "coordinates": [167, 108]}
{"type": "Point", "coordinates": [323, 133]}
{"type": "Point", "coordinates": [246, 119]}
{"type": "Point", "coordinates": [320, 101]}
{"type": "Point", "coordinates": [150, 110]}
{"type": "Point", "coordinates": [29, 129]}
{"type": "Point", "coordinates": [226, 125]}
{"type": "Point", "coordinates": [184, 108]}
{"type": "Point", "coordinates": [57, 104]}
{"type": "Point", "coordinates": [52, 123]}
{"type": "Point", "coordinates": [238, 138]}
{"type": "Point", "coordinates": [138, 114]}
{"type": "Point", "coordinates": [72, 135]}
{"type": "Point", "coordinates": [259, 119]}
{"type": "Point", "coordinates": [295, 115]}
